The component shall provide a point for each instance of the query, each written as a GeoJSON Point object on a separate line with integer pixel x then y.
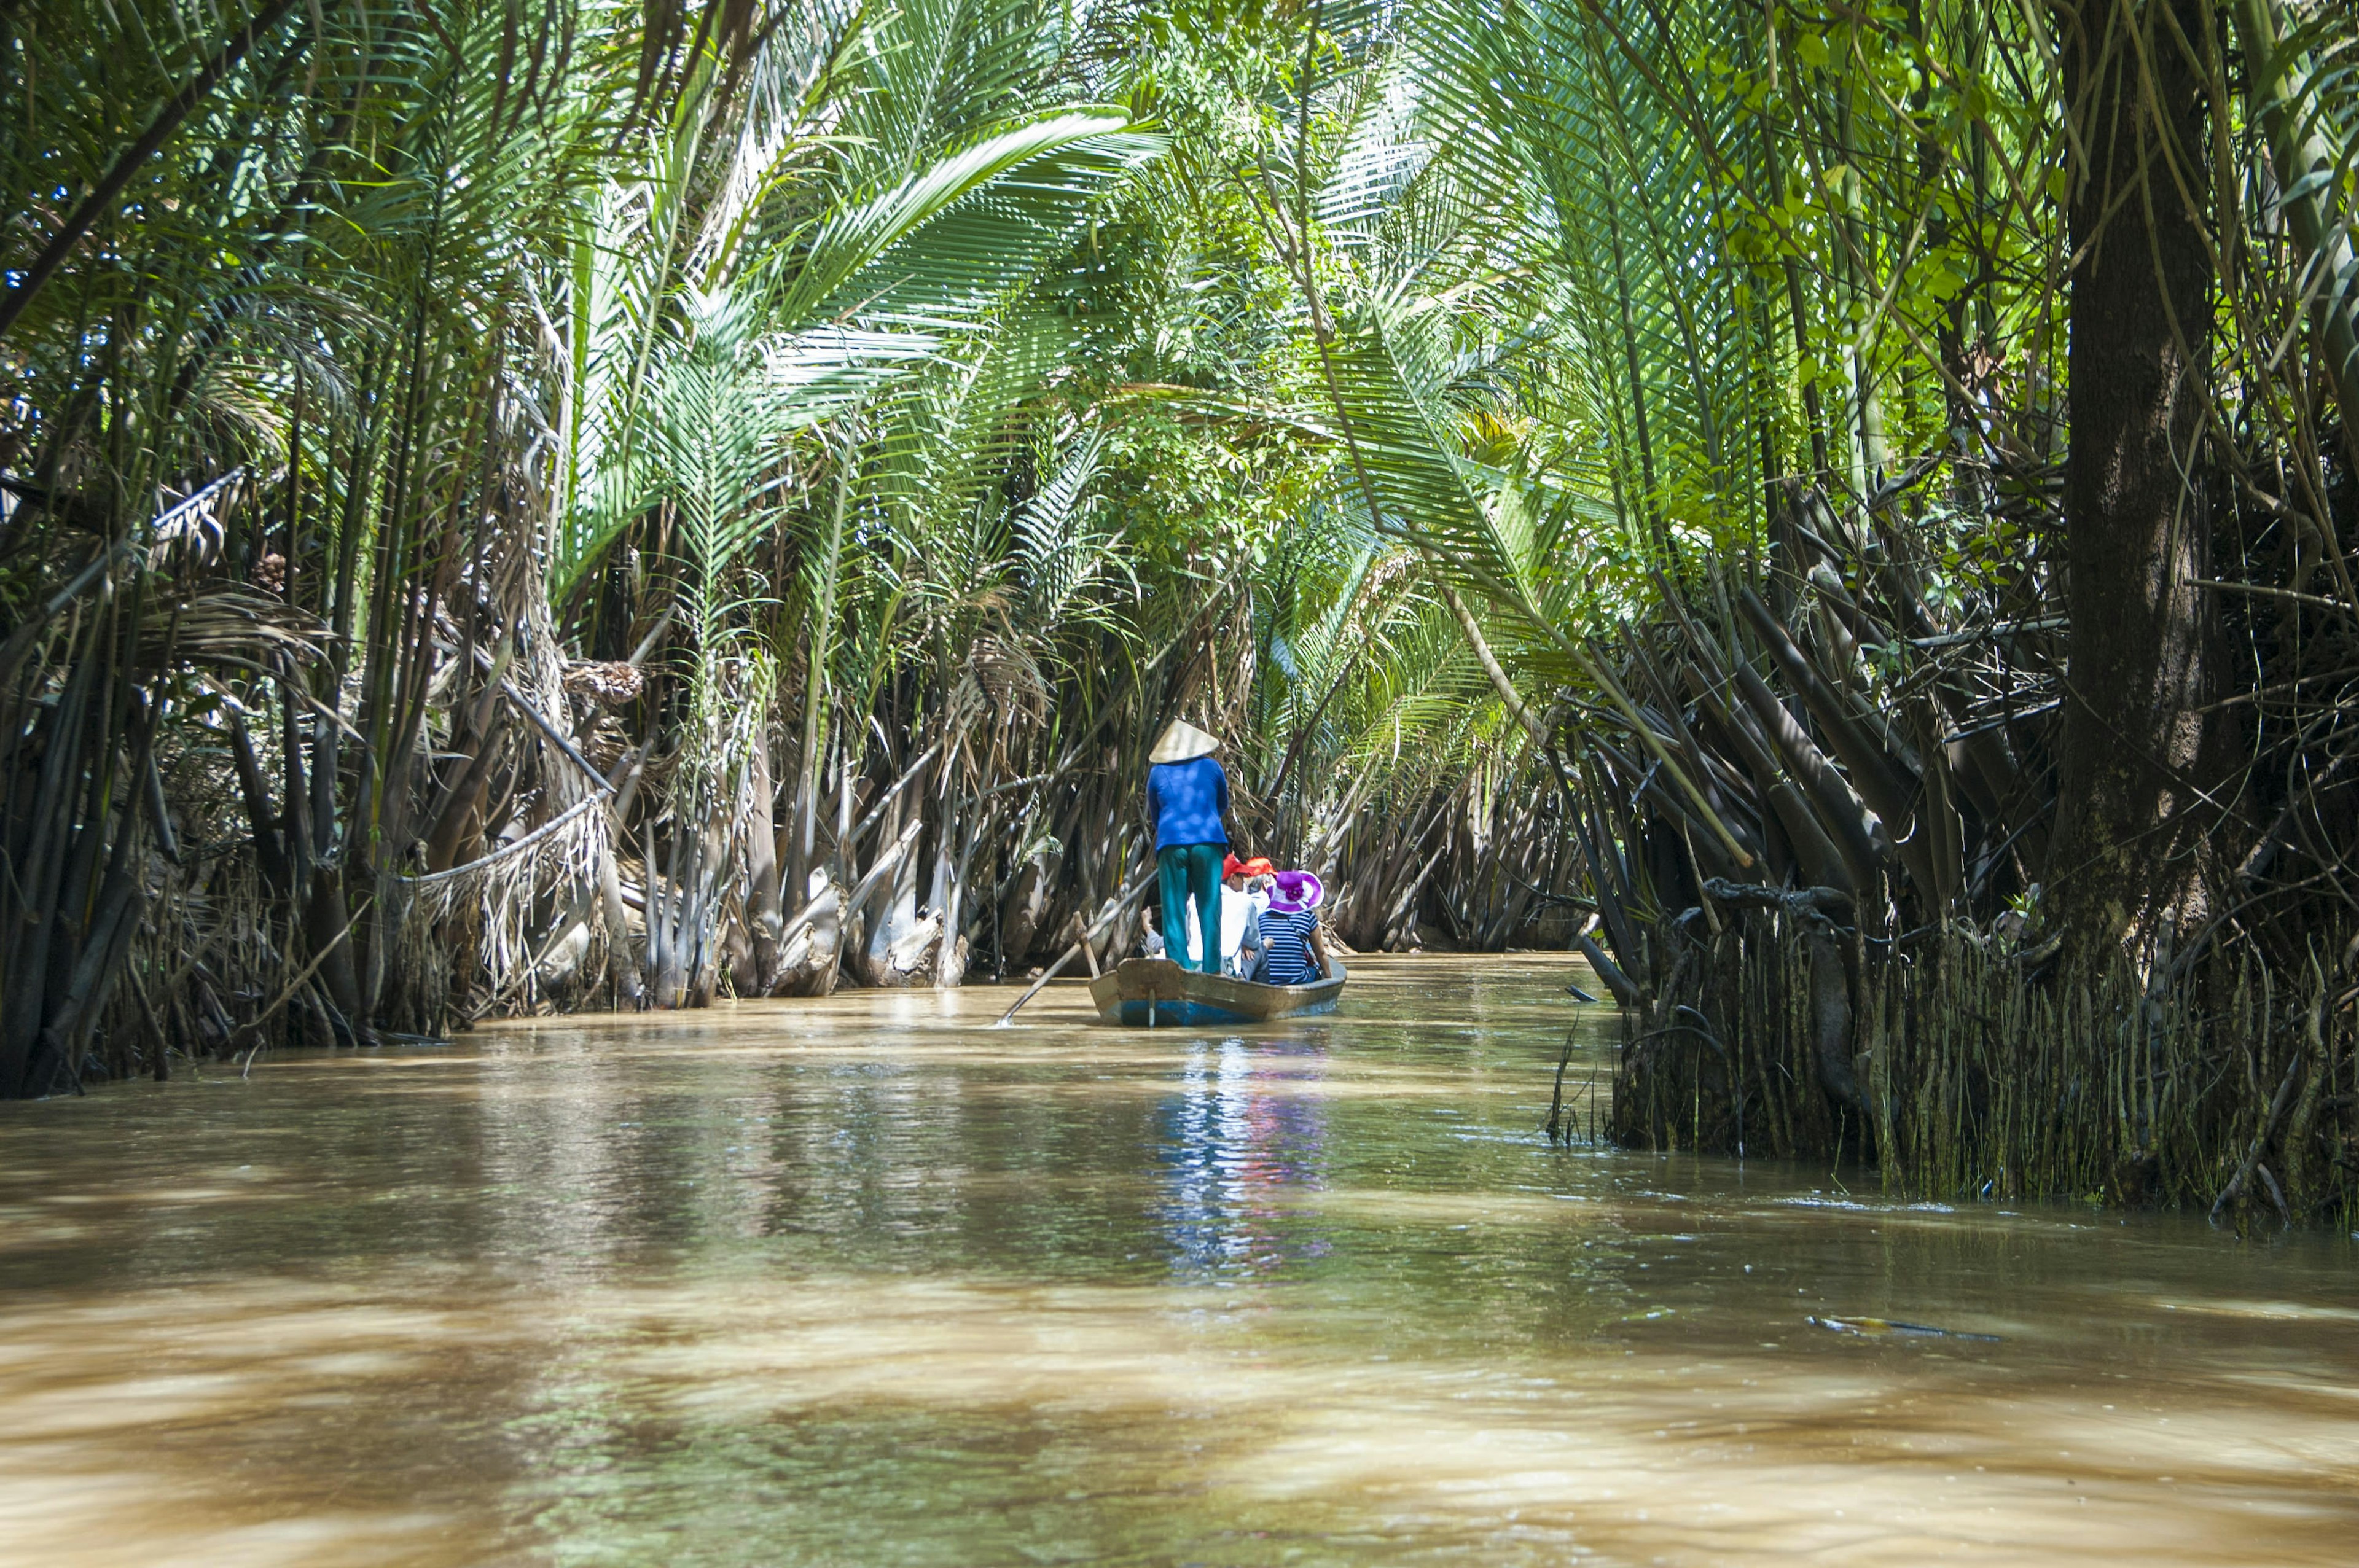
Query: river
{"type": "Point", "coordinates": [868, 1282]}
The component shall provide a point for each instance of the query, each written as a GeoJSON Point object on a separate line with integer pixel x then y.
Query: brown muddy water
{"type": "Point", "coordinates": [864, 1281]}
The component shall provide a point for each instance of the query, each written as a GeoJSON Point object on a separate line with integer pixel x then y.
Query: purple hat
{"type": "Point", "coordinates": [1295, 892]}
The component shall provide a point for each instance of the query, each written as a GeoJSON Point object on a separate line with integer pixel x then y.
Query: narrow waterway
{"type": "Point", "coordinates": [865, 1282]}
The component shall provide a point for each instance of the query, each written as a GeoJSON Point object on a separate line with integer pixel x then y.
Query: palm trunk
{"type": "Point", "coordinates": [2137, 531]}
{"type": "Point", "coordinates": [764, 920]}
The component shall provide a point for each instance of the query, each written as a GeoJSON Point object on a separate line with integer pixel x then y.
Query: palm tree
{"type": "Point", "coordinates": [1777, 318]}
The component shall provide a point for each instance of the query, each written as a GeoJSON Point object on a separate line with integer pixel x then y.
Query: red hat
{"type": "Point", "coordinates": [1259, 866]}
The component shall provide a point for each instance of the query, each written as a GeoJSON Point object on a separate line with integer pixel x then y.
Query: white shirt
{"type": "Point", "coordinates": [1234, 908]}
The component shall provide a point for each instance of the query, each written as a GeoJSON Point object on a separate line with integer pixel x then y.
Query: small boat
{"type": "Point", "coordinates": [1156, 992]}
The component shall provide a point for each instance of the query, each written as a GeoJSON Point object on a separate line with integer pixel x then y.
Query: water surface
{"type": "Point", "coordinates": [865, 1282]}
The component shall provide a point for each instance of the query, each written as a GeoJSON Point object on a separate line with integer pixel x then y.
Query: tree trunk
{"type": "Point", "coordinates": [2137, 525]}
{"type": "Point", "coordinates": [764, 919]}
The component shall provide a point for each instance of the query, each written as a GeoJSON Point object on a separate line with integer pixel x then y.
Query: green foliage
{"type": "Point", "coordinates": [1236, 357]}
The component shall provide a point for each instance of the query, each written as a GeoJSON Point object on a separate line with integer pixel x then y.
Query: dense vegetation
{"type": "Point", "coordinates": [1840, 511]}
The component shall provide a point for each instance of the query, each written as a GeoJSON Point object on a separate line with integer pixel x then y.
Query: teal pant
{"type": "Point", "coordinates": [1187, 868]}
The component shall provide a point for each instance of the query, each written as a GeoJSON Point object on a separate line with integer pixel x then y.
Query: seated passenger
{"type": "Point", "coordinates": [1240, 942]}
{"type": "Point", "coordinates": [1292, 953]}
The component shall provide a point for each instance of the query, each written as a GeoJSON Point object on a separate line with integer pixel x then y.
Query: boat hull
{"type": "Point", "coordinates": [1156, 994]}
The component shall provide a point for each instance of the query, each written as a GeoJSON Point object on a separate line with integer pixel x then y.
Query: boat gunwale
{"type": "Point", "coordinates": [1193, 990]}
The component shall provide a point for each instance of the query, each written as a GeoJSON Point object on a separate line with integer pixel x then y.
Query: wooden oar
{"type": "Point", "coordinates": [1130, 895]}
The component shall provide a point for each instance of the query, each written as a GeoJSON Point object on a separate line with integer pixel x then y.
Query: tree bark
{"type": "Point", "coordinates": [764, 919]}
{"type": "Point", "coordinates": [2136, 524]}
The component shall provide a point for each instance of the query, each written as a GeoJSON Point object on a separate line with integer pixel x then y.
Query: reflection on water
{"type": "Point", "coordinates": [1236, 1135]}
{"type": "Point", "coordinates": [861, 1281]}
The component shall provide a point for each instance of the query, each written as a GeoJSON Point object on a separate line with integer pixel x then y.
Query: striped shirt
{"type": "Point", "coordinates": [1288, 939]}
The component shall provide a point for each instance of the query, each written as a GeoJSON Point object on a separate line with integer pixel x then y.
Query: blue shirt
{"type": "Point", "coordinates": [1190, 799]}
{"type": "Point", "coordinates": [1288, 938]}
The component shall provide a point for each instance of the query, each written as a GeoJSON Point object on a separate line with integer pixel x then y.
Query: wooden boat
{"type": "Point", "coordinates": [1157, 993]}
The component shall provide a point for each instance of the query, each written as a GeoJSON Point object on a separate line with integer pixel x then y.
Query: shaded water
{"type": "Point", "coordinates": [863, 1282]}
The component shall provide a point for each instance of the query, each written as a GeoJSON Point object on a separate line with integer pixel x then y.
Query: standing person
{"type": "Point", "coordinates": [1187, 796]}
{"type": "Point", "coordinates": [1293, 954]}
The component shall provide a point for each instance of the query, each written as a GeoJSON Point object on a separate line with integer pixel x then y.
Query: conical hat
{"type": "Point", "coordinates": [1183, 743]}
